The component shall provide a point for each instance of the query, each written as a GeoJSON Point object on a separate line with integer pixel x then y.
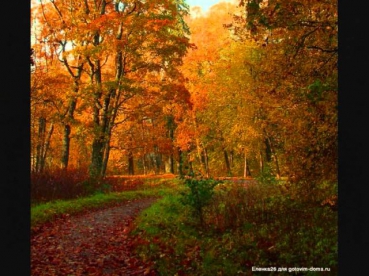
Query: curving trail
{"type": "Point", "coordinates": [96, 243]}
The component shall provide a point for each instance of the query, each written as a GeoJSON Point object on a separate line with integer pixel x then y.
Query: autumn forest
{"type": "Point", "coordinates": [229, 112]}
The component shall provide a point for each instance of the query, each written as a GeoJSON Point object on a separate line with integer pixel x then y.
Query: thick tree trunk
{"type": "Point", "coordinates": [69, 116]}
{"type": "Point", "coordinates": [106, 158]}
{"type": "Point", "coordinates": [105, 113]}
{"type": "Point", "coordinates": [97, 155]}
{"type": "Point", "coordinates": [169, 164]}
{"type": "Point", "coordinates": [97, 158]}
{"type": "Point", "coordinates": [65, 147]}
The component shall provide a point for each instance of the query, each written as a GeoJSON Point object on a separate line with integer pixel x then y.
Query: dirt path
{"type": "Point", "coordinates": [91, 244]}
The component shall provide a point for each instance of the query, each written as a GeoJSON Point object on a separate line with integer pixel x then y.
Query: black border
{"type": "Point", "coordinates": [353, 242]}
{"type": "Point", "coordinates": [15, 139]}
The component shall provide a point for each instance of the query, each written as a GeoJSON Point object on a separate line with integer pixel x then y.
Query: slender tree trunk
{"type": "Point", "coordinates": [228, 165]}
{"type": "Point", "coordinates": [274, 154]}
{"type": "Point", "coordinates": [261, 163]}
{"type": "Point", "coordinates": [231, 159]}
{"type": "Point", "coordinates": [171, 126]}
{"type": "Point", "coordinates": [191, 168]}
{"type": "Point", "coordinates": [202, 157]}
{"type": "Point", "coordinates": [245, 166]}
{"type": "Point", "coordinates": [206, 163]}
{"type": "Point", "coordinates": [144, 148]}
{"type": "Point", "coordinates": [158, 163]}
{"type": "Point", "coordinates": [277, 166]}
{"type": "Point", "coordinates": [268, 151]}
{"type": "Point", "coordinates": [171, 163]}
{"type": "Point", "coordinates": [130, 163]}
{"type": "Point", "coordinates": [180, 162]}
{"type": "Point", "coordinates": [144, 164]}
{"type": "Point", "coordinates": [47, 145]}
{"type": "Point", "coordinates": [157, 160]}
{"type": "Point", "coordinates": [40, 143]}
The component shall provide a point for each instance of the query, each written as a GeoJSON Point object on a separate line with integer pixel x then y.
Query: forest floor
{"type": "Point", "coordinates": [95, 243]}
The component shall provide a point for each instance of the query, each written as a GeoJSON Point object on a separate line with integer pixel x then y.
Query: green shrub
{"type": "Point", "coordinates": [200, 191]}
{"type": "Point", "coordinates": [266, 176]}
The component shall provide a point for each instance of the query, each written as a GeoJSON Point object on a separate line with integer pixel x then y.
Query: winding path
{"type": "Point", "coordinates": [96, 243]}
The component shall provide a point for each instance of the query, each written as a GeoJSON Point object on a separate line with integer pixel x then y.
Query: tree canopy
{"type": "Point", "coordinates": [144, 87]}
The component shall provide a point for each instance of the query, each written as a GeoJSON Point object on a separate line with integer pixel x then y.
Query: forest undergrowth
{"type": "Point", "coordinates": [202, 226]}
{"type": "Point", "coordinates": [238, 228]}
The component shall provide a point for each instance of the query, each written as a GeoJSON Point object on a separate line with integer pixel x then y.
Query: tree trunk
{"type": "Point", "coordinates": [206, 163]}
{"type": "Point", "coordinates": [97, 158]}
{"type": "Point", "coordinates": [245, 166]}
{"type": "Point", "coordinates": [47, 146]}
{"type": "Point", "coordinates": [274, 154]}
{"type": "Point", "coordinates": [105, 114]}
{"type": "Point", "coordinates": [171, 126]}
{"type": "Point", "coordinates": [144, 164]}
{"type": "Point", "coordinates": [65, 147]}
{"type": "Point", "coordinates": [169, 164]}
{"type": "Point", "coordinates": [130, 163]}
{"type": "Point", "coordinates": [144, 147]}
{"type": "Point", "coordinates": [261, 163]}
{"type": "Point", "coordinates": [191, 168]}
{"type": "Point", "coordinates": [228, 165]}
{"type": "Point", "coordinates": [69, 116]}
{"type": "Point", "coordinates": [201, 153]}
{"type": "Point", "coordinates": [106, 158]}
{"type": "Point", "coordinates": [268, 151]}
{"type": "Point", "coordinates": [277, 166]}
{"type": "Point", "coordinates": [180, 162]}
{"type": "Point", "coordinates": [98, 140]}
{"type": "Point", "coordinates": [40, 143]}
{"type": "Point", "coordinates": [157, 160]}
{"type": "Point", "coordinates": [231, 159]}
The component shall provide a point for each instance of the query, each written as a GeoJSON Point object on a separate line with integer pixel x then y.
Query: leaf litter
{"type": "Point", "coordinates": [95, 243]}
